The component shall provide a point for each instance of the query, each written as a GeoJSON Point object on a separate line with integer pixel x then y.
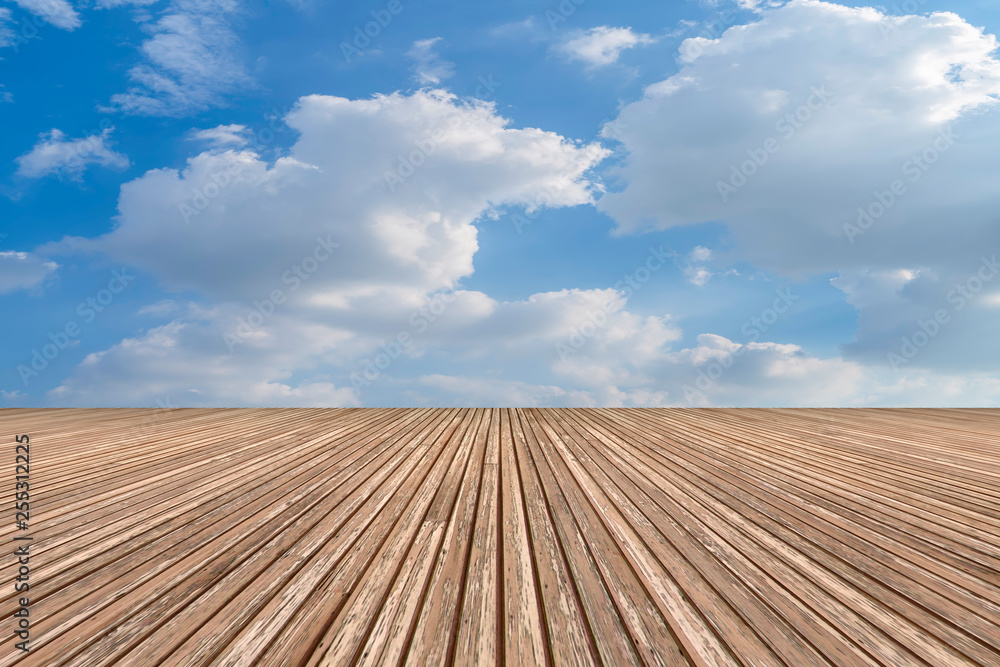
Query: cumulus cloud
{"type": "Point", "coordinates": [486, 392]}
{"type": "Point", "coordinates": [720, 372]}
{"type": "Point", "coordinates": [179, 364]}
{"type": "Point", "coordinates": [57, 12]}
{"type": "Point", "coordinates": [69, 158]}
{"type": "Point", "coordinates": [192, 61]}
{"type": "Point", "coordinates": [717, 372]}
{"type": "Point", "coordinates": [828, 139]}
{"type": "Point", "coordinates": [222, 135]}
{"type": "Point", "coordinates": [839, 129]}
{"type": "Point", "coordinates": [397, 228]}
{"type": "Point", "coordinates": [23, 270]}
{"type": "Point", "coordinates": [429, 67]}
{"type": "Point", "coordinates": [627, 360]}
{"type": "Point", "coordinates": [918, 318]}
{"type": "Point", "coordinates": [600, 46]}
{"type": "Point", "coordinates": [584, 335]}
{"type": "Point", "coordinates": [198, 228]}
{"type": "Point", "coordinates": [234, 228]}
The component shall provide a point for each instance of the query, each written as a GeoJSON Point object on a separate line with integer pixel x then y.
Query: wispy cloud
{"type": "Point", "coordinates": [430, 68]}
{"type": "Point", "coordinates": [55, 154]}
{"type": "Point", "coordinates": [57, 12]}
{"type": "Point", "coordinates": [601, 46]}
{"type": "Point", "coordinates": [108, 4]}
{"type": "Point", "coordinates": [6, 34]}
{"type": "Point", "coordinates": [21, 270]}
{"type": "Point", "coordinates": [517, 29]}
{"type": "Point", "coordinates": [192, 61]}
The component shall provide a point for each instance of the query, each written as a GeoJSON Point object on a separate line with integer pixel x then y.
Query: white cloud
{"type": "Point", "coordinates": [337, 181]}
{"type": "Point", "coordinates": [223, 135]}
{"type": "Point", "coordinates": [430, 68]}
{"type": "Point", "coordinates": [758, 5]}
{"type": "Point", "coordinates": [586, 335]}
{"type": "Point", "coordinates": [784, 128]}
{"type": "Point", "coordinates": [399, 242]}
{"type": "Point", "coordinates": [697, 275]}
{"type": "Point", "coordinates": [179, 362]}
{"type": "Point", "coordinates": [992, 298]}
{"type": "Point", "coordinates": [55, 154]}
{"type": "Point", "coordinates": [918, 318]}
{"type": "Point", "coordinates": [719, 371]}
{"type": "Point", "coordinates": [160, 308]}
{"type": "Point", "coordinates": [488, 392]}
{"type": "Point", "coordinates": [192, 61]}
{"type": "Point", "coordinates": [715, 372]}
{"type": "Point", "coordinates": [886, 101]}
{"type": "Point", "coordinates": [109, 4]}
{"type": "Point", "coordinates": [601, 46]}
{"type": "Point", "coordinates": [406, 229]}
{"type": "Point", "coordinates": [528, 28]}
{"type": "Point", "coordinates": [23, 270]}
{"type": "Point", "coordinates": [700, 254]}
{"type": "Point", "coordinates": [6, 37]}
{"type": "Point", "coordinates": [57, 12]}
{"type": "Point", "coordinates": [695, 272]}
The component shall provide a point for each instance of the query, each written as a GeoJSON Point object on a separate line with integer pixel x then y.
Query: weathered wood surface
{"type": "Point", "coordinates": [509, 536]}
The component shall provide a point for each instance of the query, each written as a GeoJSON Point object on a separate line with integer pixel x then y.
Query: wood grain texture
{"type": "Point", "coordinates": [308, 537]}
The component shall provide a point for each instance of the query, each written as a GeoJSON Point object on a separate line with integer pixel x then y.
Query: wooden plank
{"type": "Point", "coordinates": [518, 536]}
{"type": "Point", "coordinates": [291, 625]}
{"type": "Point", "coordinates": [436, 627]}
{"type": "Point", "coordinates": [480, 629]}
{"type": "Point", "coordinates": [523, 631]}
{"type": "Point", "coordinates": [568, 636]}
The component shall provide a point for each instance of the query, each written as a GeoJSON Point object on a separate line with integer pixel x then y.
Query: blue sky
{"type": "Point", "coordinates": [525, 203]}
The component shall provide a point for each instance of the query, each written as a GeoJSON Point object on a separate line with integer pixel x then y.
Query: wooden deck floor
{"type": "Point", "coordinates": [550, 536]}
